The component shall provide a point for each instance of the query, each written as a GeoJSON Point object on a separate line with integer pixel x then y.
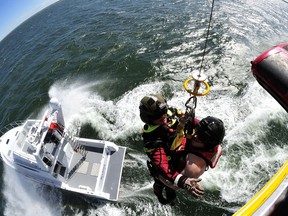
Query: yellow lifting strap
{"type": "Point", "coordinates": [179, 137]}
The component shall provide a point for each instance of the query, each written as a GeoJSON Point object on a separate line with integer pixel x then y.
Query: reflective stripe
{"type": "Point", "coordinates": [172, 122]}
{"type": "Point", "coordinates": [170, 114]}
{"type": "Point", "coordinates": [151, 128]}
{"type": "Point", "coordinates": [215, 158]}
{"type": "Point", "coordinates": [148, 149]}
{"type": "Point", "coordinates": [177, 179]}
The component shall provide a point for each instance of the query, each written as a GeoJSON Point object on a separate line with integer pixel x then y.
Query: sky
{"type": "Point", "coordinates": [15, 12]}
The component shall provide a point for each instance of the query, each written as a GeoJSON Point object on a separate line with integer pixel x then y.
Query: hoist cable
{"type": "Point", "coordinates": [207, 35]}
{"type": "Point", "coordinates": [200, 78]}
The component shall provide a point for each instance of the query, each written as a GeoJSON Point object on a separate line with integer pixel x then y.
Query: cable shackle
{"type": "Point", "coordinates": [194, 103]}
{"type": "Point", "coordinates": [199, 80]}
{"type": "Point", "coordinates": [187, 119]}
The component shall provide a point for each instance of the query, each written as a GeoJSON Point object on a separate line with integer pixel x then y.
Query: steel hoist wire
{"type": "Point", "coordinates": [198, 77]}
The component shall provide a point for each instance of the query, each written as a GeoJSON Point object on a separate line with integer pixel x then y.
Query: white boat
{"type": "Point", "coordinates": [45, 151]}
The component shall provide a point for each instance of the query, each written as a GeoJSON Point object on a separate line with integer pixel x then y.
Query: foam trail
{"type": "Point", "coordinates": [112, 119]}
{"type": "Point", "coordinates": [246, 120]}
{"type": "Point", "coordinates": [27, 198]}
{"type": "Point", "coordinates": [73, 98]}
{"type": "Point", "coordinates": [248, 157]}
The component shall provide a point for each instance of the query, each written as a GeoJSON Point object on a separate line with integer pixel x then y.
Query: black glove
{"type": "Point", "coordinates": [190, 116]}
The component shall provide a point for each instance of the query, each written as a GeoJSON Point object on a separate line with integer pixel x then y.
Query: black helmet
{"type": "Point", "coordinates": [210, 131]}
{"type": "Point", "coordinates": [152, 107]}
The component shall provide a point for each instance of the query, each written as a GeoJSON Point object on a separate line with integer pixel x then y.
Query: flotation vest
{"type": "Point", "coordinates": [211, 157]}
{"type": "Point", "coordinates": [165, 133]}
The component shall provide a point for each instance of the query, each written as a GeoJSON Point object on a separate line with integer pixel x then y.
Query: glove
{"type": "Point", "coordinates": [190, 116]}
{"type": "Point", "coordinates": [193, 188]}
{"type": "Point", "coordinates": [187, 117]}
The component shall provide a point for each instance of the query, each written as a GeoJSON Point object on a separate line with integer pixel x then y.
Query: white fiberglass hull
{"type": "Point", "coordinates": [44, 151]}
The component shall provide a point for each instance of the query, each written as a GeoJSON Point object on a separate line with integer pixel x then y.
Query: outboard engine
{"type": "Point", "coordinates": [271, 71]}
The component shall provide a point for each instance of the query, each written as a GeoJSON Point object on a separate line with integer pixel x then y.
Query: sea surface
{"type": "Point", "coordinates": [100, 57]}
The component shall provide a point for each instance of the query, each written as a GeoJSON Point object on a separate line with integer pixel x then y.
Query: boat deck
{"type": "Point", "coordinates": [89, 175]}
{"type": "Point", "coordinates": [88, 171]}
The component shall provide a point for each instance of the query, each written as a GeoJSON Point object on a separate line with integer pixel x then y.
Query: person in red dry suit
{"type": "Point", "coordinates": [179, 147]}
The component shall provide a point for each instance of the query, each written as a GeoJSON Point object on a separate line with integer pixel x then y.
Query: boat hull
{"type": "Point", "coordinates": [46, 152]}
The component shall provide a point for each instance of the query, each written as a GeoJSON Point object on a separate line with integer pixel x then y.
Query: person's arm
{"type": "Point", "coordinates": [159, 158]}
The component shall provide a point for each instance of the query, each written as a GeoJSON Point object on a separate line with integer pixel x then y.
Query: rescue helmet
{"type": "Point", "coordinates": [210, 131]}
{"type": "Point", "coordinates": [152, 107]}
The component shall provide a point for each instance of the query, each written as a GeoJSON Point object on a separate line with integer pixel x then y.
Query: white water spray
{"type": "Point", "coordinates": [27, 198]}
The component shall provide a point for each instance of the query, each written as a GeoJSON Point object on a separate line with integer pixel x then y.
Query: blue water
{"type": "Point", "coordinates": [99, 58]}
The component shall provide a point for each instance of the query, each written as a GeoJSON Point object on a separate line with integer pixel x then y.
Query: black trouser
{"type": "Point", "coordinates": [170, 193]}
{"type": "Point", "coordinates": [158, 186]}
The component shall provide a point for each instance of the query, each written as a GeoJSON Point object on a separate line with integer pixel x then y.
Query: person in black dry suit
{"type": "Point", "coordinates": [179, 147]}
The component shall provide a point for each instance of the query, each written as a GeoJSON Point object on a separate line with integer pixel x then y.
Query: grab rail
{"type": "Point", "coordinates": [11, 126]}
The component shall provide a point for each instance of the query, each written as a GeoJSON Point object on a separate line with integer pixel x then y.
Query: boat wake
{"type": "Point", "coordinates": [28, 198]}
{"type": "Point", "coordinates": [247, 119]}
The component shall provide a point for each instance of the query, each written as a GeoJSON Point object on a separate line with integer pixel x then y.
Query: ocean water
{"type": "Point", "coordinates": [99, 58]}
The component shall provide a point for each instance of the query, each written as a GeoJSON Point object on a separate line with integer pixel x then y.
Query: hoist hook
{"type": "Point", "coordinates": [194, 103]}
